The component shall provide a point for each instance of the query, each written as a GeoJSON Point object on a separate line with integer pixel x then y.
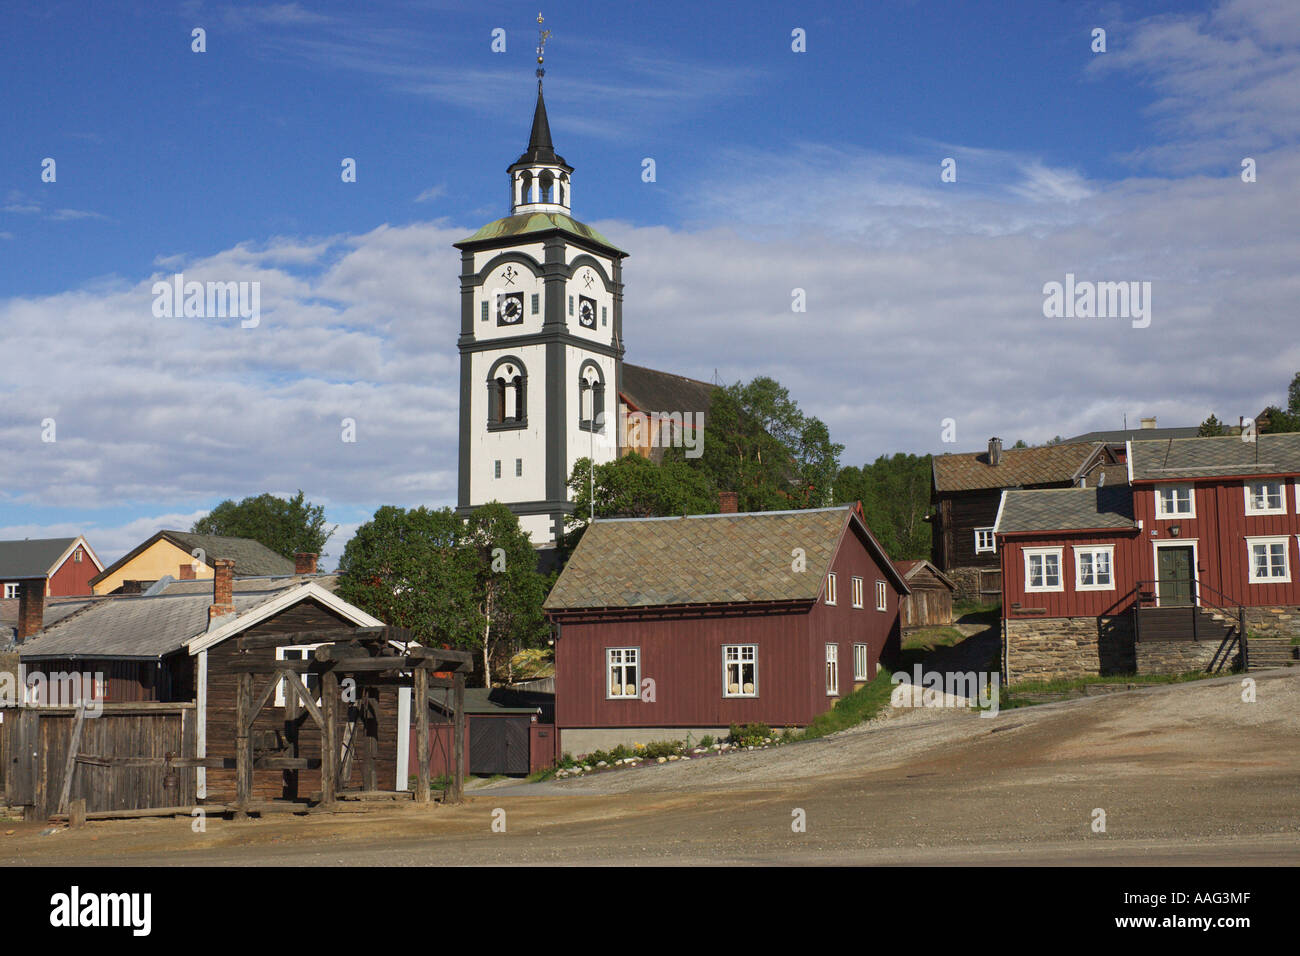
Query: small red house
{"type": "Point", "coordinates": [64, 566]}
{"type": "Point", "coordinates": [673, 626]}
{"type": "Point", "coordinates": [1163, 574]}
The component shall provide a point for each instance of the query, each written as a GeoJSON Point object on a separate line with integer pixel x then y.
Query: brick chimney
{"type": "Point", "coordinates": [31, 608]}
{"type": "Point", "coordinates": [728, 502]}
{"type": "Point", "coordinates": [995, 451]}
{"type": "Point", "coordinates": [187, 572]}
{"type": "Point", "coordinates": [223, 588]}
{"type": "Point", "coordinates": [304, 562]}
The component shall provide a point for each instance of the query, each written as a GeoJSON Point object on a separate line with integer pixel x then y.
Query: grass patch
{"type": "Point", "coordinates": [918, 644]}
{"type": "Point", "coordinates": [1014, 696]}
{"type": "Point", "coordinates": [972, 612]}
{"type": "Point", "coordinates": [861, 705]}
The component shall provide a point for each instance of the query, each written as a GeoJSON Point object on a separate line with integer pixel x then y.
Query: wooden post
{"type": "Point", "coordinates": [292, 729]}
{"type": "Point", "coordinates": [420, 701]}
{"type": "Point", "coordinates": [458, 733]}
{"type": "Point", "coordinates": [77, 814]}
{"type": "Point", "coordinates": [370, 747]}
{"type": "Point", "coordinates": [70, 766]}
{"type": "Point", "coordinates": [243, 745]}
{"type": "Point", "coordinates": [329, 744]}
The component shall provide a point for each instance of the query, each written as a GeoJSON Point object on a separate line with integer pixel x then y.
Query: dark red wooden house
{"type": "Point", "coordinates": [673, 626]}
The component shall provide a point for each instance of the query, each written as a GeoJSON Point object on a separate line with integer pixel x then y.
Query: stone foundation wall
{"type": "Point", "coordinates": [1178, 657]}
{"type": "Point", "coordinates": [1273, 621]}
{"type": "Point", "coordinates": [1046, 648]}
{"type": "Point", "coordinates": [966, 583]}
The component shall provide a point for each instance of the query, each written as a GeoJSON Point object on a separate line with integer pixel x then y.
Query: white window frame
{"type": "Point", "coordinates": [831, 596]}
{"type": "Point", "coordinates": [882, 596]}
{"type": "Point", "coordinates": [861, 661]}
{"type": "Point", "coordinates": [281, 698]}
{"type": "Point", "coordinates": [832, 670]}
{"type": "Point", "coordinates": [1163, 515]}
{"type": "Point", "coordinates": [857, 591]}
{"type": "Point", "coordinates": [630, 659]}
{"type": "Point", "coordinates": [1044, 588]}
{"type": "Point", "coordinates": [76, 556]}
{"type": "Point", "coordinates": [991, 547]}
{"type": "Point", "coordinates": [12, 590]}
{"type": "Point", "coordinates": [1253, 541]}
{"type": "Point", "coordinates": [1249, 487]}
{"type": "Point", "coordinates": [735, 654]}
{"type": "Point", "coordinates": [1094, 550]}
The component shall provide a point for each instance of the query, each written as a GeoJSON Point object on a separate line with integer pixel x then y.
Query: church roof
{"type": "Point", "coordinates": [539, 222]}
{"type": "Point", "coordinates": [540, 148]}
{"type": "Point", "coordinates": [650, 391]}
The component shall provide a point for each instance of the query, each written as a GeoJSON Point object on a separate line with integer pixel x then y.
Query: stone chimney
{"type": "Point", "coordinates": [304, 562]}
{"type": "Point", "coordinates": [187, 572]}
{"type": "Point", "coordinates": [995, 451]}
{"type": "Point", "coordinates": [728, 502]}
{"type": "Point", "coordinates": [31, 608]}
{"type": "Point", "coordinates": [1149, 422]}
{"type": "Point", "coordinates": [223, 589]}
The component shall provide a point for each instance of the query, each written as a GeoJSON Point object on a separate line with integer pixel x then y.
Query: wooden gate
{"type": "Point", "coordinates": [128, 757]}
{"type": "Point", "coordinates": [499, 744]}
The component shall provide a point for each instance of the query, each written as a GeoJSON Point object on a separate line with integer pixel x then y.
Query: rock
{"type": "Point", "coordinates": [49, 831]}
{"type": "Point", "coordinates": [602, 763]}
{"type": "Point", "coordinates": [661, 759]}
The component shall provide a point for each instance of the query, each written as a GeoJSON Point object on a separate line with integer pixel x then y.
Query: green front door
{"type": "Point", "coordinates": [1174, 568]}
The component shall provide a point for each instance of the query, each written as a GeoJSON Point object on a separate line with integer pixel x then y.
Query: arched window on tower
{"type": "Point", "coordinates": [563, 189]}
{"type": "Point", "coordinates": [547, 193]}
{"type": "Point", "coordinates": [507, 395]}
{"type": "Point", "coordinates": [526, 187]}
{"type": "Point", "coordinates": [591, 398]}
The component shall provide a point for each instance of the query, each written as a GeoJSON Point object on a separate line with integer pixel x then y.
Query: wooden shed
{"type": "Point", "coordinates": [930, 603]}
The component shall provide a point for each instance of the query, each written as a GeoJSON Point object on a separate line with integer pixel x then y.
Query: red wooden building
{"type": "Point", "coordinates": [674, 626]}
{"type": "Point", "coordinates": [1166, 573]}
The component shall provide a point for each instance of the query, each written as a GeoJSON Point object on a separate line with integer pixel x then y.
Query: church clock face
{"type": "Point", "coordinates": [586, 312]}
{"type": "Point", "coordinates": [510, 309]}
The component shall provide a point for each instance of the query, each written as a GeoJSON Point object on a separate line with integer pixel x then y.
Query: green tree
{"type": "Point", "coordinates": [895, 496]}
{"type": "Point", "coordinates": [508, 590]}
{"type": "Point", "coordinates": [632, 486]}
{"type": "Point", "coordinates": [286, 526]}
{"type": "Point", "coordinates": [1288, 419]}
{"type": "Point", "coordinates": [1211, 428]}
{"type": "Point", "coordinates": [759, 444]}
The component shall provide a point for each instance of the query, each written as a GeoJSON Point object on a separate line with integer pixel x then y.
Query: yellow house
{"type": "Point", "coordinates": [187, 556]}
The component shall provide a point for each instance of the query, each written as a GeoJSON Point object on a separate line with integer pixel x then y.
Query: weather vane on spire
{"type": "Point", "coordinates": [542, 37]}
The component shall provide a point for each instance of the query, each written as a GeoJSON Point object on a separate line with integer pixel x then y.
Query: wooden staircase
{"type": "Point", "coordinates": [1185, 624]}
{"type": "Point", "coordinates": [1266, 652]}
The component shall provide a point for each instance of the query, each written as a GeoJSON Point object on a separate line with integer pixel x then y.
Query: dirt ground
{"type": "Point", "coordinates": [1185, 774]}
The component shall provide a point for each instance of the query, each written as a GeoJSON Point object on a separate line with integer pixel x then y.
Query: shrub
{"type": "Point", "coordinates": [749, 735]}
{"type": "Point", "coordinates": [706, 740]}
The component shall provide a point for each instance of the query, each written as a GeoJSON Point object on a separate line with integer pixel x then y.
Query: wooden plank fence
{"type": "Point", "coordinates": [132, 756]}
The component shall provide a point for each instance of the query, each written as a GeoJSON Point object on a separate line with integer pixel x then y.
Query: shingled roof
{"type": "Point", "coordinates": [133, 628]}
{"type": "Point", "coordinates": [251, 557]}
{"type": "Point", "coordinates": [706, 559]}
{"type": "Point", "coordinates": [1066, 509]}
{"type": "Point", "coordinates": [650, 391]}
{"type": "Point", "coordinates": [31, 558]}
{"type": "Point", "coordinates": [1228, 456]}
{"type": "Point", "coordinates": [1018, 467]}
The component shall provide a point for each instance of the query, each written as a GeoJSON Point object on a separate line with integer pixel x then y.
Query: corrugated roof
{"type": "Point", "coordinates": [1227, 456]}
{"type": "Point", "coordinates": [704, 559]}
{"type": "Point", "coordinates": [1066, 509]}
{"type": "Point", "coordinates": [652, 391]}
{"type": "Point", "coordinates": [538, 222]}
{"type": "Point", "coordinates": [31, 557]}
{"type": "Point", "coordinates": [1019, 467]}
{"type": "Point", "coordinates": [134, 627]}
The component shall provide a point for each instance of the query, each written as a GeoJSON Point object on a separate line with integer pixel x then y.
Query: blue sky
{"type": "Point", "coordinates": [775, 170]}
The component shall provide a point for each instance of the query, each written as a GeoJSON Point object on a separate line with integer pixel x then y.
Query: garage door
{"type": "Point", "coordinates": [498, 744]}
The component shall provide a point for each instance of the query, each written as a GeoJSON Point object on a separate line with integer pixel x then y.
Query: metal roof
{"type": "Point", "coordinates": [538, 222]}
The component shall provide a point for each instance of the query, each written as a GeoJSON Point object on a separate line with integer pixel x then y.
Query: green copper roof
{"type": "Point", "coordinates": [526, 223]}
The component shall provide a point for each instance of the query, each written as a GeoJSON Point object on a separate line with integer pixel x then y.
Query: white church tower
{"type": "Point", "coordinates": [541, 344]}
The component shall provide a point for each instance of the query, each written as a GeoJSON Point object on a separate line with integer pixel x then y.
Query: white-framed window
{"type": "Point", "coordinates": [300, 652]}
{"type": "Point", "coordinates": [1043, 569]}
{"type": "Point", "coordinates": [1269, 560]}
{"type": "Point", "coordinates": [1265, 498]}
{"type": "Point", "coordinates": [76, 556]}
{"type": "Point", "coordinates": [740, 670]}
{"type": "Point", "coordinates": [1175, 501]}
{"type": "Point", "coordinates": [1093, 568]}
{"type": "Point", "coordinates": [857, 591]}
{"type": "Point", "coordinates": [623, 665]}
{"type": "Point", "coordinates": [860, 662]}
{"type": "Point", "coordinates": [882, 596]}
{"type": "Point", "coordinates": [832, 670]}
{"type": "Point", "coordinates": [830, 588]}
{"type": "Point", "coordinates": [984, 542]}
{"type": "Point", "coordinates": [11, 591]}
